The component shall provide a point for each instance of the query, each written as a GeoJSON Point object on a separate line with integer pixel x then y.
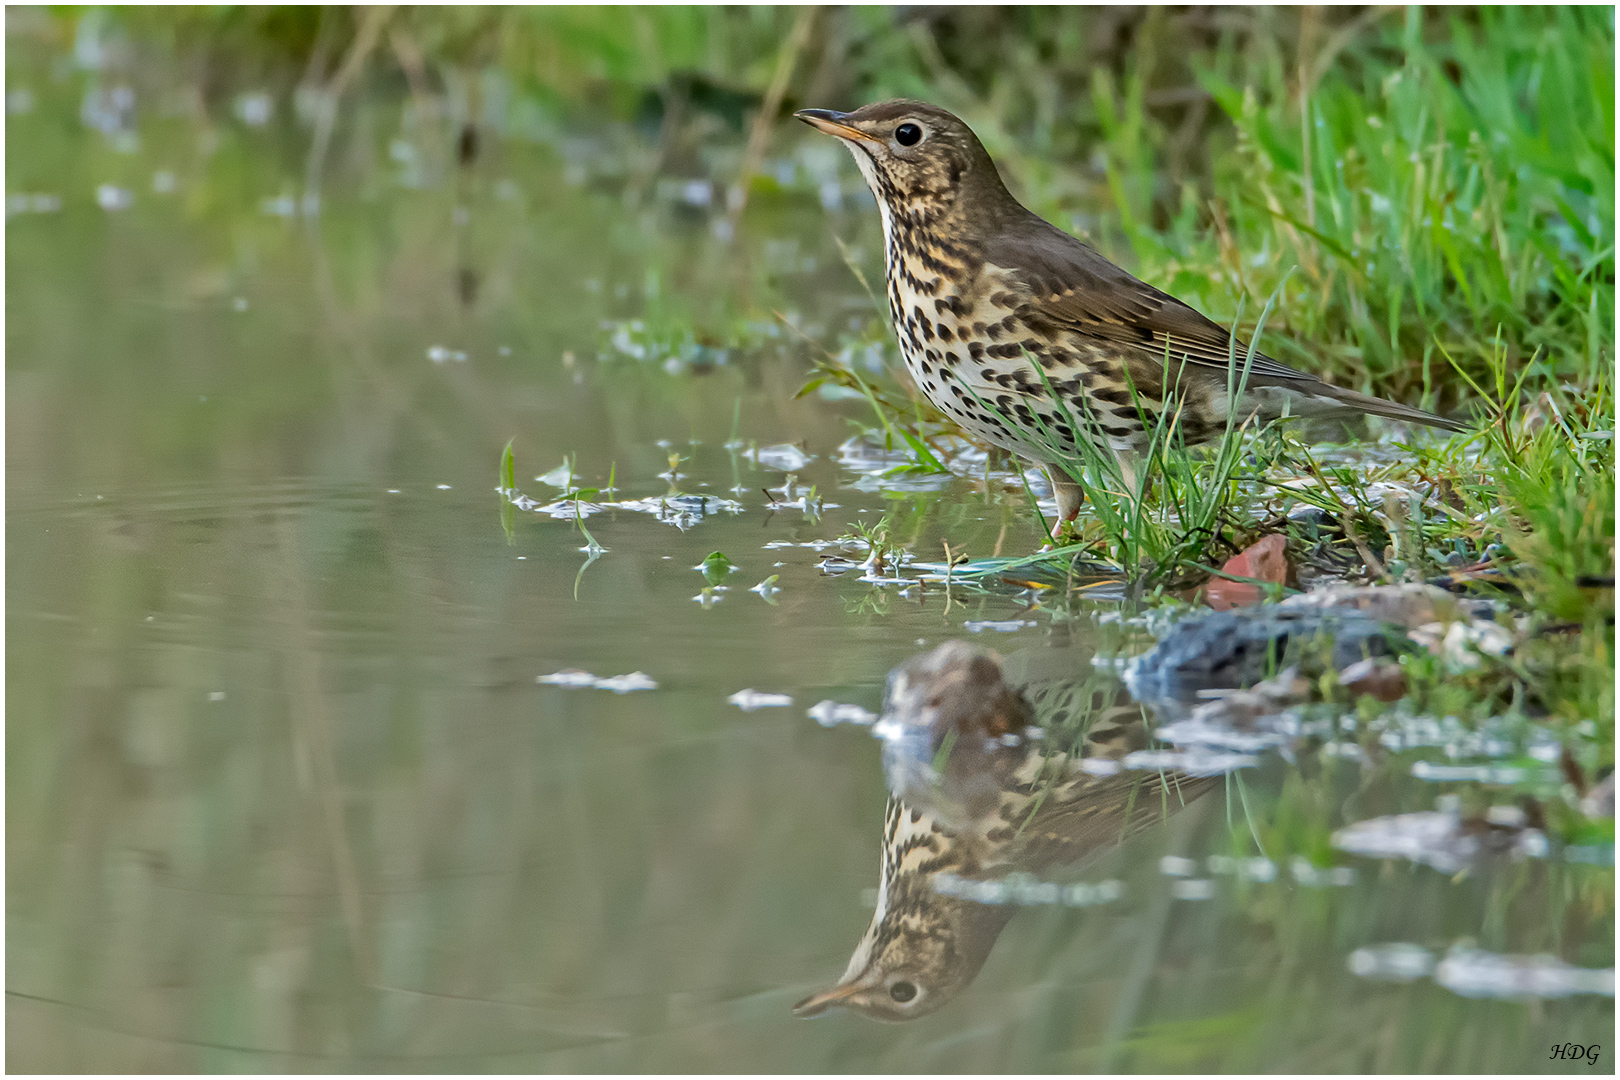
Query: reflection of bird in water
{"type": "Point", "coordinates": [978, 794]}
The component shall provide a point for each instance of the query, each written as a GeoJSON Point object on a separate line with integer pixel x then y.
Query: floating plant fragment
{"type": "Point", "coordinates": [716, 567]}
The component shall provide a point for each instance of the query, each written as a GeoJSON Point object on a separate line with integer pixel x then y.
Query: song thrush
{"type": "Point", "coordinates": [981, 291]}
{"type": "Point", "coordinates": [978, 794]}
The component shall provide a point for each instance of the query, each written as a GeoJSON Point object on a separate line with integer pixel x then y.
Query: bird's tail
{"type": "Point", "coordinates": [1324, 399]}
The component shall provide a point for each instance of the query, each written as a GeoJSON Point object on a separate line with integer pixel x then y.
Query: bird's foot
{"type": "Point", "coordinates": [1064, 532]}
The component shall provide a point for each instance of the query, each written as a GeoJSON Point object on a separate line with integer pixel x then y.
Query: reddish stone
{"type": "Point", "coordinates": [1264, 560]}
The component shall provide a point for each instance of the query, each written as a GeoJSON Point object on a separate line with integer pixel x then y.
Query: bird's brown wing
{"type": "Point", "coordinates": [1076, 289]}
{"type": "Point", "coordinates": [1099, 813]}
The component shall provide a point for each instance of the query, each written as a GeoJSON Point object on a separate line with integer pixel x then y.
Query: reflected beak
{"type": "Point", "coordinates": [816, 1004]}
{"type": "Point", "coordinates": [833, 123]}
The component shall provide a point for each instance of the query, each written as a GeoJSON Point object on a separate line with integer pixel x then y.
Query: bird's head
{"type": "Point", "coordinates": [953, 731]}
{"type": "Point", "coordinates": [915, 957]}
{"type": "Point", "coordinates": [919, 160]}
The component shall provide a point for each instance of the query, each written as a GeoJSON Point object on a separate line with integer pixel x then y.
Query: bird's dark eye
{"type": "Point", "coordinates": [903, 991]}
{"type": "Point", "coordinates": [908, 135]}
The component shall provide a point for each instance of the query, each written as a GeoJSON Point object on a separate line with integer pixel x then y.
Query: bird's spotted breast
{"type": "Point", "coordinates": [967, 341]}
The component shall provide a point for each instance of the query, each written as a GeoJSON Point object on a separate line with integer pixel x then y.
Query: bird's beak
{"type": "Point", "coordinates": [833, 123]}
{"type": "Point", "coordinates": [816, 1004]}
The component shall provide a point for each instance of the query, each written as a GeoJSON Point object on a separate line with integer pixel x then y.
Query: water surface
{"type": "Point", "coordinates": [285, 792]}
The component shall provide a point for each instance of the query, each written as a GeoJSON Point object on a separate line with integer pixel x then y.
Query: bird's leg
{"type": "Point", "coordinates": [1069, 497]}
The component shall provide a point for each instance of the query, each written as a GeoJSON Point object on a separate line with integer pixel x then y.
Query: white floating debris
{"type": "Point", "coordinates": [1476, 973]}
{"type": "Point", "coordinates": [256, 109]}
{"type": "Point", "coordinates": [111, 197]}
{"type": "Point", "coordinates": [624, 684]}
{"type": "Point", "coordinates": [784, 457]}
{"type": "Point", "coordinates": [216, 695]}
{"type": "Point", "coordinates": [564, 509]}
{"type": "Point", "coordinates": [1485, 774]}
{"type": "Point", "coordinates": [1193, 762]}
{"type": "Point", "coordinates": [1321, 877]}
{"type": "Point", "coordinates": [749, 700]}
{"type": "Point", "coordinates": [1255, 869]}
{"type": "Point", "coordinates": [439, 354]}
{"type": "Point", "coordinates": [831, 713]}
{"type": "Point", "coordinates": [21, 203]}
{"type": "Point", "coordinates": [1025, 890]}
{"type": "Point", "coordinates": [1436, 838]}
{"type": "Point", "coordinates": [1192, 889]}
{"type": "Point", "coordinates": [1196, 731]}
{"type": "Point", "coordinates": [1098, 766]}
{"type": "Point", "coordinates": [619, 684]}
{"type": "Point", "coordinates": [1461, 643]}
{"type": "Point", "coordinates": [567, 677]}
{"type": "Point", "coordinates": [1176, 866]}
{"type": "Point", "coordinates": [1005, 626]}
{"type": "Point", "coordinates": [1398, 962]}
{"type": "Point", "coordinates": [282, 206]}
{"type": "Point", "coordinates": [562, 476]}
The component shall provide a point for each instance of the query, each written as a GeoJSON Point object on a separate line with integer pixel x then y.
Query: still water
{"type": "Point", "coordinates": [289, 788]}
